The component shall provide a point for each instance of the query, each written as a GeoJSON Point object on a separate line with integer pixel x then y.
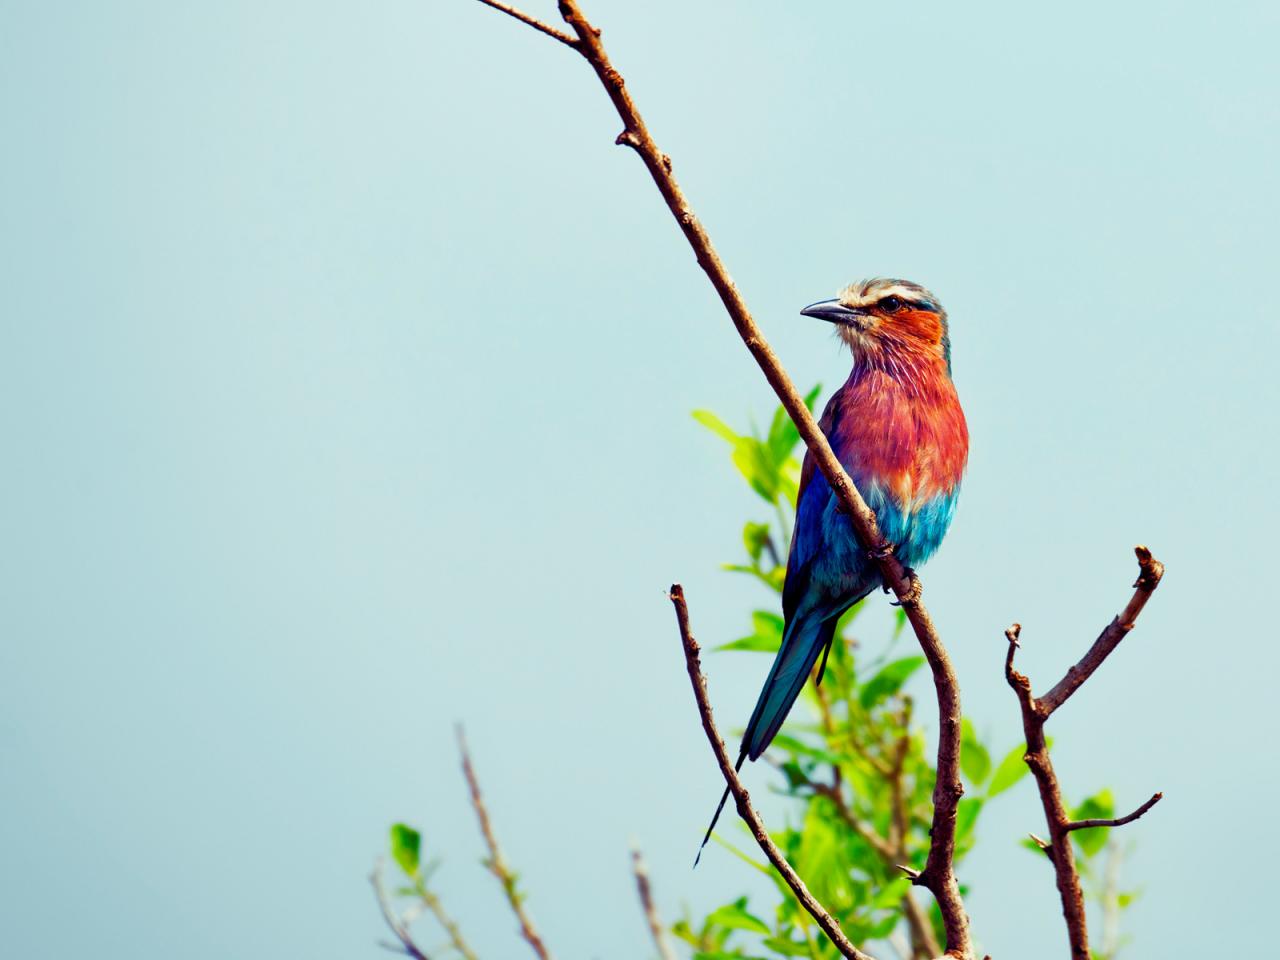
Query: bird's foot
{"type": "Point", "coordinates": [882, 552]}
{"type": "Point", "coordinates": [914, 589]}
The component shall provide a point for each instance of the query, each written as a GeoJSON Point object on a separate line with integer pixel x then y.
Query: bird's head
{"type": "Point", "coordinates": [887, 319]}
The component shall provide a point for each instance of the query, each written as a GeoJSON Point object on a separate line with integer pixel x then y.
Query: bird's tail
{"type": "Point", "coordinates": [715, 818]}
{"type": "Point", "coordinates": [802, 641]}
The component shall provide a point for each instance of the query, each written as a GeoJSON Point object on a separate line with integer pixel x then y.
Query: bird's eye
{"type": "Point", "coordinates": [891, 304]}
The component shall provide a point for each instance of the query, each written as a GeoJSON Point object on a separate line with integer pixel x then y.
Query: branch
{"type": "Point", "coordinates": [1150, 570]}
{"type": "Point", "coordinates": [1118, 821]}
{"type": "Point", "coordinates": [656, 928]}
{"type": "Point", "coordinates": [432, 903]}
{"type": "Point", "coordinates": [497, 863]}
{"type": "Point", "coordinates": [1035, 712]}
{"type": "Point", "coordinates": [939, 872]}
{"type": "Point", "coordinates": [534, 22]}
{"type": "Point", "coordinates": [397, 927]}
{"type": "Point", "coordinates": [825, 921]}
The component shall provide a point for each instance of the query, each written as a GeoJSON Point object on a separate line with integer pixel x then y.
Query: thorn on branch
{"type": "Point", "coordinates": [628, 138]}
{"type": "Point", "coordinates": [1045, 846]}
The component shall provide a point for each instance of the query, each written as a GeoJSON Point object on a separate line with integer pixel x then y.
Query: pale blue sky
{"type": "Point", "coordinates": [345, 369]}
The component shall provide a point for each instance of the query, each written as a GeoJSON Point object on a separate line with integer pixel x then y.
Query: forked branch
{"type": "Point", "coordinates": [1036, 711]}
{"type": "Point", "coordinates": [939, 873]}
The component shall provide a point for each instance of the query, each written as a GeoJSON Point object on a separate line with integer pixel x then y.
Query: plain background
{"type": "Point", "coordinates": [345, 378]}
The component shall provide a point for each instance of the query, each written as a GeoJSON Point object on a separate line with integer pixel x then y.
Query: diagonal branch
{"type": "Point", "coordinates": [656, 928]}
{"type": "Point", "coordinates": [534, 22]}
{"type": "Point", "coordinates": [397, 926]}
{"type": "Point", "coordinates": [829, 925]}
{"type": "Point", "coordinates": [1035, 712]}
{"type": "Point", "coordinates": [939, 872]}
{"type": "Point", "coordinates": [1150, 570]}
{"type": "Point", "coordinates": [497, 863]}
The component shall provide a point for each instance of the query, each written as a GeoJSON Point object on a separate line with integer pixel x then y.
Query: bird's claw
{"type": "Point", "coordinates": [882, 552]}
{"type": "Point", "coordinates": [914, 589]}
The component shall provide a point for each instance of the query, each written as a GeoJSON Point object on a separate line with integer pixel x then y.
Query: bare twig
{"type": "Point", "coordinates": [656, 928]}
{"type": "Point", "coordinates": [1150, 570]}
{"type": "Point", "coordinates": [432, 903]}
{"type": "Point", "coordinates": [497, 863]}
{"type": "Point", "coordinates": [393, 922]}
{"type": "Point", "coordinates": [939, 872]}
{"type": "Point", "coordinates": [534, 22]}
{"type": "Point", "coordinates": [825, 921]}
{"type": "Point", "coordinates": [1118, 821]}
{"type": "Point", "coordinates": [1035, 712]}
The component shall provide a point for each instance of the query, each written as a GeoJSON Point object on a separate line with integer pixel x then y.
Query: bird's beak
{"type": "Point", "coordinates": [833, 311]}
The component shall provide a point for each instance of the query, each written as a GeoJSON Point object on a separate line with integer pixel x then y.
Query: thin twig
{"type": "Point", "coordinates": [534, 22]}
{"type": "Point", "coordinates": [497, 863]}
{"type": "Point", "coordinates": [1116, 822]}
{"type": "Point", "coordinates": [1150, 570]}
{"type": "Point", "coordinates": [939, 872]}
{"type": "Point", "coordinates": [825, 921]}
{"type": "Point", "coordinates": [388, 914]}
{"type": "Point", "coordinates": [433, 903]}
{"type": "Point", "coordinates": [656, 928]}
{"type": "Point", "coordinates": [1035, 712]}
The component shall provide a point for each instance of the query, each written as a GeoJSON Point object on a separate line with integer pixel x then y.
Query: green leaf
{"type": "Point", "coordinates": [1010, 770]}
{"type": "Point", "coordinates": [787, 947]}
{"type": "Point", "coordinates": [975, 761]}
{"type": "Point", "coordinates": [735, 916]}
{"type": "Point", "coordinates": [766, 870]}
{"type": "Point", "coordinates": [899, 622]}
{"type": "Point", "coordinates": [888, 680]}
{"type": "Point", "coordinates": [406, 843]}
{"type": "Point", "coordinates": [891, 894]}
{"type": "Point", "coordinates": [791, 745]}
{"type": "Point", "coordinates": [1101, 806]}
{"type": "Point", "coordinates": [766, 634]}
{"type": "Point", "coordinates": [1124, 899]}
{"type": "Point", "coordinates": [880, 930]}
{"type": "Point", "coordinates": [1031, 845]}
{"type": "Point", "coordinates": [967, 816]}
{"type": "Point", "coordinates": [715, 425]}
{"type": "Point", "coordinates": [754, 538]}
{"type": "Point", "coordinates": [753, 461]}
{"type": "Point", "coordinates": [783, 435]}
{"type": "Point", "coordinates": [811, 397]}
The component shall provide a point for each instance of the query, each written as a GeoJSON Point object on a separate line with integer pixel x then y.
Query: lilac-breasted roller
{"type": "Point", "coordinates": [897, 428]}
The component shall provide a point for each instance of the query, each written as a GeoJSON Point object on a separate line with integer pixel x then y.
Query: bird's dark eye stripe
{"type": "Point", "coordinates": [895, 302]}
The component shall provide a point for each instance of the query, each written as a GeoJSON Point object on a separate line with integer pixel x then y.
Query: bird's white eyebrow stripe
{"type": "Point", "coordinates": [865, 297]}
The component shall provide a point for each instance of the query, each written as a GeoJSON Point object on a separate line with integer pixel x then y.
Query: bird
{"type": "Point", "coordinates": [898, 430]}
